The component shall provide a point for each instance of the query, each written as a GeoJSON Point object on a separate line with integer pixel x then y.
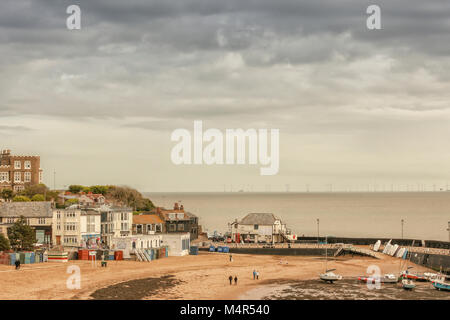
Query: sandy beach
{"type": "Point", "coordinates": [190, 277]}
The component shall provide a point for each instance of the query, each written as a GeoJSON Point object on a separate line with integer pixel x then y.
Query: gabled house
{"type": "Point", "coordinates": [259, 227]}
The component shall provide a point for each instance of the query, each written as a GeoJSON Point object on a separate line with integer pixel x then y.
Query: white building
{"type": "Point", "coordinates": [259, 227]}
{"type": "Point", "coordinates": [76, 227]}
{"type": "Point", "coordinates": [178, 243]}
{"type": "Point", "coordinates": [116, 223]}
{"type": "Point", "coordinates": [129, 243]}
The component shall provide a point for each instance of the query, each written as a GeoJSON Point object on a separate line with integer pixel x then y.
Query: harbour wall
{"type": "Point", "coordinates": [368, 241]}
{"type": "Point", "coordinates": [432, 261]}
{"type": "Point", "coordinates": [282, 251]}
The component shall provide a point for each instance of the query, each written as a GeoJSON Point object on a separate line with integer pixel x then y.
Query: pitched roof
{"type": "Point", "coordinates": [147, 219]}
{"type": "Point", "coordinates": [27, 209]}
{"type": "Point", "coordinates": [259, 218]}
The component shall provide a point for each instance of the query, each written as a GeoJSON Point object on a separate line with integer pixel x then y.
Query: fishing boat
{"type": "Point", "coordinates": [408, 284]}
{"type": "Point", "coordinates": [430, 276]}
{"type": "Point", "coordinates": [387, 278]}
{"type": "Point", "coordinates": [329, 275]}
{"type": "Point", "coordinates": [440, 283]}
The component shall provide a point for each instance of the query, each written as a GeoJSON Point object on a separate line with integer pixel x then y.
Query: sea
{"type": "Point", "coordinates": [425, 215]}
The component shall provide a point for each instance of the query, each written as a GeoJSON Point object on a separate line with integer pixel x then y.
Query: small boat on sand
{"type": "Point", "coordinates": [330, 276]}
{"type": "Point", "coordinates": [387, 278]}
{"type": "Point", "coordinates": [408, 284]}
{"type": "Point", "coordinates": [440, 283]}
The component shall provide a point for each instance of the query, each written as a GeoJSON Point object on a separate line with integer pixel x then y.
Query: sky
{"type": "Point", "coordinates": [357, 109]}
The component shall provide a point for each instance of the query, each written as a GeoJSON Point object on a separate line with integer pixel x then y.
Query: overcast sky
{"type": "Point", "coordinates": [356, 108]}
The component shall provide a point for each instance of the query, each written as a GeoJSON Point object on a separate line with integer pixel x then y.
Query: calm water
{"type": "Point", "coordinates": [426, 214]}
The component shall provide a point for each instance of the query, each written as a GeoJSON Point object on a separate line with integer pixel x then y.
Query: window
{"type": "Point", "coordinates": [17, 165]}
{"type": "Point", "coordinates": [181, 227]}
{"type": "Point", "coordinates": [256, 227]}
{"type": "Point", "coordinates": [41, 221]}
{"type": "Point", "coordinates": [27, 176]}
{"type": "Point", "coordinates": [27, 165]}
{"type": "Point", "coordinates": [124, 226]}
{"type": "Point", "coordinates": [10, 220]}
{"type": "Point", "coordinates": [17, 177]}
{"type": "Point", "coordinates": [40, 177]}
{"type": "Point", "coordinates": [70, 226]}
{"type": "Point", "coordinates": [4, 176]}
{"type": "Point", "coordinates": [172, 227]}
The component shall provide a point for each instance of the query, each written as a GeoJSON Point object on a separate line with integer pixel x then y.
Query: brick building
{"type": "Point", "coordinates": [178, 220]}
{"type": "Point", "coordinates": [18, 172]}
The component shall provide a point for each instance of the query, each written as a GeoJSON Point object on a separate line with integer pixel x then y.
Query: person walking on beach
{"type": "Point", "coordinates": [231, 258]}
{"type": "Point", "coordinates": [17, 263]}
{"type": "Point", "coordinates": [254, 274]}
{"type": "Point", "coordinates": [231, 279]}
{"type": "Point", "coordinates": [257, 275]}
{"type": "Point", "coordinates": [235, 280]}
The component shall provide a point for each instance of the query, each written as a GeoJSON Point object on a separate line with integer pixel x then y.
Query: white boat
{"type": "Point", "coordinates": [330, 276]}
{"type": "Point", "coordinates": [376, 246]}
{"type": "Point", "coordinates": [430, 276]}
{"type": "Point", "coordinates": [440, 283]}
{"type": "Point", "coordinates": [400, 252]}
{"type": "Point", "coordinates": [408, 284]}
{"type": "Point", "coordinates": [387, 278]}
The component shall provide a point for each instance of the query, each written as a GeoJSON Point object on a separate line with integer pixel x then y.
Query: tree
{"type": "Point", "coordinates": [30, 191]}
{"type": "Point", "coordinates": [21, 199]}
{"type": "Point", "coordinates": [7, 194]}
{"type": "Point", "coordinates": [21, 235]}
{"type": "Point", "coordinates": [131, 198]}
{"type": "Point", "coordinates": [4, 243]}
{"type": "Point", "coordinates": [70, 202]}
{"type": "Point", "coordinates": [100, 189]}
{"type": "Point", "coordinates": [75, 188]}
{"type": "Point", "coordinates": [38, 197]}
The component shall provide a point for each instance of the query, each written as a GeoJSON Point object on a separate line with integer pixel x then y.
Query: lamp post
{"type": "Point", "coordinates": [403, 222]}
{"type": "Point", "coordinates": [318, 223]}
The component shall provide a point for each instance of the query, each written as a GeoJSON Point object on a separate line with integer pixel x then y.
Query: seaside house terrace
{"type": "Point", "coordinates": [38, 215]}
{"type": "Point", "coordinates": [178, 220]}
{"type": "Point", "coordinates": [76, 226]}
{"type": "Point", "coordinates": [84, 199]}
{"type": "Point", "coordinates": [259, 227]}
{"type": "Point", "coordinates": [116, 222]}
{"type": "Point", "coordinates": [144, 224]}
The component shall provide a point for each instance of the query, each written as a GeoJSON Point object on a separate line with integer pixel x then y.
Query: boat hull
{"type": "Point", "coordinates": [441, 286]}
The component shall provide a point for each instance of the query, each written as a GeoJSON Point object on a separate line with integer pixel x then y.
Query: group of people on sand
{"type": "Point", "coordinates": [231, 280]}
{"type": "Point", "coordinates": [255, 275]}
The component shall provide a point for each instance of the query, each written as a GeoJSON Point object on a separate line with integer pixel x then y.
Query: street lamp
{"type": "Point", "coordinates": [403, 221]}
{"type": "Point", "coordinates": [318, 223]}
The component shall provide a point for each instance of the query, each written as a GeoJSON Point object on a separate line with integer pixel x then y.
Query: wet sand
{"type": "Point", "coordinates": [191, 277]}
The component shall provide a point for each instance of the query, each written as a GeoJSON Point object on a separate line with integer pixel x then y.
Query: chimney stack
{"type": "Point", "coordinates": [175, 206]}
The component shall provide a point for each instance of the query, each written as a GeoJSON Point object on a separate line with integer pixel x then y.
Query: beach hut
{"type": "Point", "coordinates": [225, 249]}
{"type": "Point", "coordinates": [57, 256]}
{"type": "Point", "coordinates": [193, 250]}
{"type": "Point", "coordinates": [212, 249]}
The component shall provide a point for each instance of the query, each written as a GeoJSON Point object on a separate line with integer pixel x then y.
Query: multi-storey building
{"type": "Point", "coordinates": [178, 220]}
{"type": "Point", "coordinates": [38, 215]}
{"type": "Point", "coordinates": [18, 172]}
{"type": "Point", "coordinates": [116, 223]}
{"type": "Point", "coordinates": [259, 227]}
{"type": "Point", "coordinates": [76, 227]}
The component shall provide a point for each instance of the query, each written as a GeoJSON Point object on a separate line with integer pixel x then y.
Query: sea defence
{"type": "Point", "coordinates": [368, 241]}
{"type": "Point", "coordinates": [283, 251]}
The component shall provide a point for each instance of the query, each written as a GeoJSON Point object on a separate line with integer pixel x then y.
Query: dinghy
{"type": "Point", "coordinates": [408, 284]}
{"type": "Point", "coordinates": [330, 276]}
